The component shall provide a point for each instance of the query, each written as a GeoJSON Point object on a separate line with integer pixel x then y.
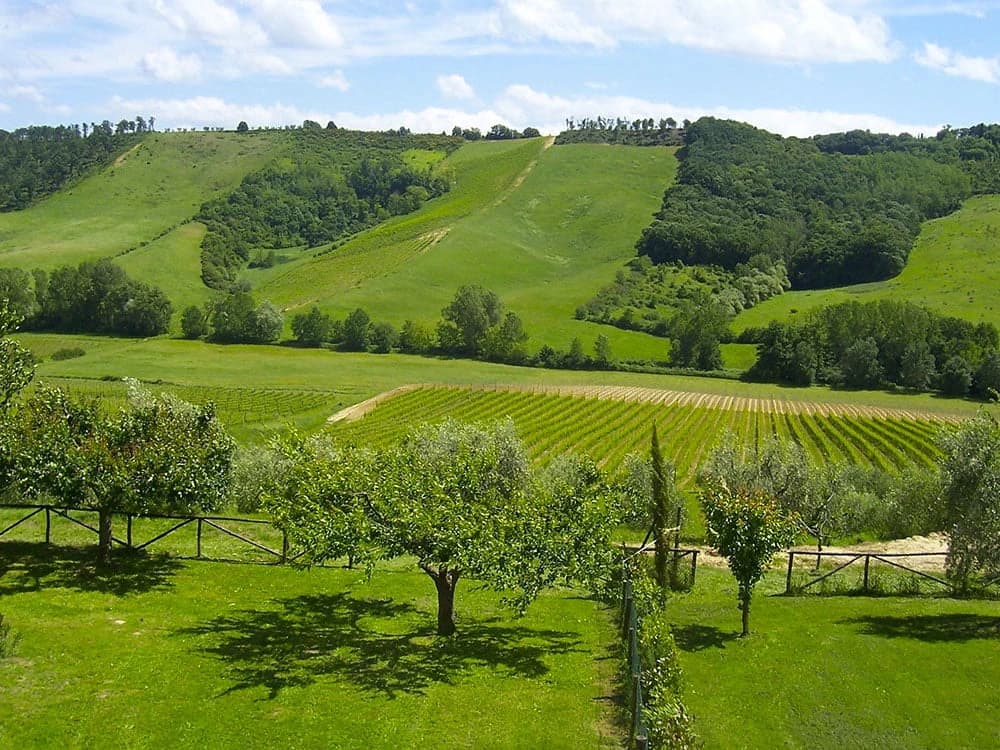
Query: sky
{"type": "Point", "coordinates": [796, 67]}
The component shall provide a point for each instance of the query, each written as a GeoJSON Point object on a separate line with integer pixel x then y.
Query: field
{"type": "Point", "coordinates": [188, 654]}
{"type": "Point", "coordinates": [953, 269]}
{"type": "Point", "coordinates": [846, 672]}
{"type": "Point", "coordinates": [608, 423]}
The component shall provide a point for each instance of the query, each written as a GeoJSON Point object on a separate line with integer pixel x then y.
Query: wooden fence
{"type": "Point", "coordinates": [179, 522]}
{"type": "Point", "coordinates": [893, 559]}
{"type": "Point", "coordinates": [638, 734]}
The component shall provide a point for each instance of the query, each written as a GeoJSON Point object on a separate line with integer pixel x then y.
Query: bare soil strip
{"type": "Point", "coordinates": [663, 397]}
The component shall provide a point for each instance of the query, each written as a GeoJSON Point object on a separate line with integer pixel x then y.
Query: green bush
{"type": "Point", "coordinates": [8, 639]}
{"type": "Point", "coordinates": [668, 722]}
{"type": "Point", "coordinates": [68, 353]}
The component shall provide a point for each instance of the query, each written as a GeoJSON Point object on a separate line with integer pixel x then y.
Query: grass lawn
{"type": "Point", "coordinates": [188, 654]}
{"type": "Point", "coordinates": [838, 671]}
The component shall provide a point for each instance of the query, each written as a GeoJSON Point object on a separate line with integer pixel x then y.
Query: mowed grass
{"type": "Point", "coordinates": [186, 654]}
{"type": "Point", "coordinates": [954, 269]}
{"type": "Point", "coordinates": [838, 672]}
{"type": "Point", "coordinates": [544, 228]}
{"type": "Point", "coordinates": [152, 189]}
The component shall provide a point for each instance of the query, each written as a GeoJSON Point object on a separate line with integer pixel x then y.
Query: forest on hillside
{"type": "Point", "coordinates": [37, 161]}
{"type": "Point", "coordinates": [329, 185]}
{"type": "Point", "coordinates": [835, 210]}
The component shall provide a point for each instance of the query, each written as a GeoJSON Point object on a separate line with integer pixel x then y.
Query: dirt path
{"type": "Point", "coordinates": [635, 394]}
{"type": "Point", "coordinates": [519, 180]}
{"type": "Point", "coordinates": [121, 159]}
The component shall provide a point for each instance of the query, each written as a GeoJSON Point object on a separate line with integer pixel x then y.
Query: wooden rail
{"type": "Point", "coordinates": [889, 558]}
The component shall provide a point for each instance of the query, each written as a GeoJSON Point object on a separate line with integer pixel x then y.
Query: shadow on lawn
{"type": "Point", "coordinates": [934, 628]}
{"type": "Point", "coordinates": [696, 637]}
{"type": "Point", "coordinates": [34, 566]}
{"type": "Point", "coordinates": [339, 635]}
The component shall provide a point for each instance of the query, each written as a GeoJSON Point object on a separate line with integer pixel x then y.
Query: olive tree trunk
{"type": "Point", "coordinates": [104, 537]}
{"type": "Point", "coordinates": [445, 581]}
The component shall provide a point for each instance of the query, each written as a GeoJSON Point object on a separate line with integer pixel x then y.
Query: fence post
{"type": "Point", "coordinates": [694, 566]}
{"type": "Point", "coordinates": [867, 560]}
{"type": "Point", "coordinates": [48, 525]}
{"type": "Point", "coordinates": [788, 578]}
{"type": "Point", "coordinates": [199, 538]}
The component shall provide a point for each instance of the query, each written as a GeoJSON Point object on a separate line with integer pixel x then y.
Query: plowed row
{"type": "Point", "coordinates": [609, 422]}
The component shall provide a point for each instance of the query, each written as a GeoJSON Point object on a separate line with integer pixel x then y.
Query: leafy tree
{"type": "Point", "coordinates": [460, 499]}
{"type": "Point", "coordinates": [665, 506]}
{"type": "Point", "coordinates": [746, 526]}
{"type": "Point", "coordinates": [530, 132]}
{"type": "Point", "coordinates": [415, 338]}
{"type": "Point", "coordinates": [313, 328]}
{"type": "Point", "coordinates": [916, 370]}
{"type": "Point", "coordinates": [384, 337]}
{"type": "Point", "coordinates": [194, 322]}
{"type": "Point", "coordinates": [265, 324]}
{"type": "Point", "coordinates": [16, 290]}
{"type": "Point", "coordinates": [242, 127]}
{"type": "Point", "coordinates": [860, 364]}
{"type": "Point", "coordinates": [986, 383]}
{"type": "Point", "coordinates": [602, 352]}
{"type": "Point", "coordinates": [158, 454]}
{"type": "Point", "coordinates": [357, 331]}
{"type": "Point", "coordinates": [17, 364]}
{"type": "Point", "coordinates": [472, 312]}
{"type": "Point", "coordinates": [956, 376]}
{"type": "Point", "coordinates": [696, 333]}
{"type": "Point", "coordinates": [971, 491]}
{"type": "Point", "coordinates": [231, 316]}
{"type": "Point", "coordinates": [503, 342]}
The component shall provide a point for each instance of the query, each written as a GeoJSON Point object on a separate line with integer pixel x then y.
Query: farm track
{"type": "Point", "coordinates": [639, 395]}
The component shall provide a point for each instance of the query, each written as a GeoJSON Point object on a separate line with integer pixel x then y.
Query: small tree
{"type": "Point", "coordinates": [971, 491]}
{"type": "Point", "coordinates": [17, 364]}
{"type": "Point", "coordinates": [157, 454]}
{"type": "Point", "coordinates": [746, 526]}
{"type": "Point", "coordinates": [384, 337]}
{"type": "Point", "coordinates": [665, 505]}
{"type": "Point", "coordinates": [194, 322]}
{"type": "Point", "coordinates": [357, 331]}
{"type": "Point", "coordinates": [458, 498]}
{"type": "Point", "coordinates": [313, 328]}
{"type": "Point", "coordinates": [415, 338]}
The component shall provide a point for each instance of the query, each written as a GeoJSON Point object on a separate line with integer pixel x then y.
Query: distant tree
{"type": "Point", "coordinates": [313, 328]}
{"type": "Point", "coordinates": [311, 125]}
{"type": "Point", "coordinates": [415, 338]}
{"type": "Point", "coordinates": [503, 342]}
{"type": "Point", "coordinates": [602, 352]}
{"type": "Point", "coordinates": [331, 125]}
{"type": "Point", "coordinates": [956, 376]}
{"type": "Point", "coordinates": [472, 311]}
{"type": "Point", "coordinates": [747, 527]}
{"type": "Point", "coordinates": [664, 506]}
{"type": "Point", "coordinates": [860, 365]}
{"type": "Point", "coordinates": [194, 322]}
{"type": "Point", "coordinates": [530, 133]}
{"type": "Point", "coordinates": [971, 491]}
{"type": "Point", "coordinates": [231, 318]}
{"type": "Point", "coordinates": [576, 358]}
{"type": "Point", "coordinates": [357, 331]}
{"type": "Point", "coordinates": [383, 338]}
{"type": "Point", "coordinates": [265, 324]}
{"type": "Point", "coordinates": [696, 332]}
{"type": "Point", "coordinates": [916, 369]}
{"type": "Point", "coordinates": [986, 383]}
{"type": "Point", "coordinates": [17, 364]}
{"type": "Point", "coordinates": [16, 290]}
{"type": "Point", "coordinates": [242, 127]}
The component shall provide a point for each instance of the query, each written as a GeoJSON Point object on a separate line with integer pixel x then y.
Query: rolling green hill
{"type": "Point", "coordinates": [954, 269]}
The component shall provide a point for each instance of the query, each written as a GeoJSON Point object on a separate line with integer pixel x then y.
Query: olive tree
{"type": "Point", "coordinates": [17, 365]}
{"type": "Point", "coordinates": [746, 526]}
{"type": "Point", "coordinates": [459, 498]}
{"type": "Point", "coordinates": [971, 491]}
{"type": "Point", "coordinates": [157, 454]}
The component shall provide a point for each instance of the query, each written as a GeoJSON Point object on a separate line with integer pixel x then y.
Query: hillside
{"type": "Point", "coordinates": [954, 269]}
{"type": "Point", "coordinates": [543, 227]}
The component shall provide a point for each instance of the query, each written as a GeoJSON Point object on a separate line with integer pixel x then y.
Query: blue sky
{"type": "Point", "coordinates": [796, 67]}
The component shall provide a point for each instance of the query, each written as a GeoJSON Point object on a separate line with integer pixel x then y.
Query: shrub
{"type": "Point", "coordinates": [67, 353]}
{"type": "Point", "coordinates": [668, 722]}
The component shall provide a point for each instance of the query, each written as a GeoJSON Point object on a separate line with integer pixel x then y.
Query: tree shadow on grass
{"type": "Point", "coordinates": [932, 628]}
{"type": "Point", "coordinates": [697, 637]}
{"type": "Point", "coordinates": [34, 566]}
{"type": "Point", "coordinates": [378, 646]}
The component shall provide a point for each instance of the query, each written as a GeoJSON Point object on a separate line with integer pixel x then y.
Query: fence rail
{"type": "Point", "coordinates": [889, 558]}
{"type": "Point", "coordinates": [129, 542]}
{"type": "Point", "coordinates": [638, 733]}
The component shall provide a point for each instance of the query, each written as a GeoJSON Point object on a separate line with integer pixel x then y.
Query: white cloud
{"type": "Point", "coordinates": [790, 30]}
{"type": "Point", "coordinates": [297, 23]}
{"type": "Point", "coordinates": [986, 69]}
{"type": "Point", "coordinates": [455, 86]}
{"type": "Point", "coordinates": [166, 65]}
{"type": "Point", "coordinates": [519, 106]}
{"type": "Point", "coordinates": [336, 80]}
{"type": "Point", "coordinates": [30, 93]}
{"type": "Point", "coordinates": [211, 21]}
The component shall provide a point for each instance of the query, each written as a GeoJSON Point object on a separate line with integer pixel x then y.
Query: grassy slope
{"type": "Point", "coordinates": [151, 189]}
{"type": "Point", "coordinates": [954, 268]}
{"type": "Point", "coordinates": [844, 672]}
{"type": "Point", "coordinates": [187, 654]}
{"type": "Point", "coordinates": [545, 245]}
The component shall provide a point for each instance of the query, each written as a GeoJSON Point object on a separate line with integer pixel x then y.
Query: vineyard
{"type": "Point", "coordinates": [242, 410]}
{"type": "Point", "coordinates": [608, 426]}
